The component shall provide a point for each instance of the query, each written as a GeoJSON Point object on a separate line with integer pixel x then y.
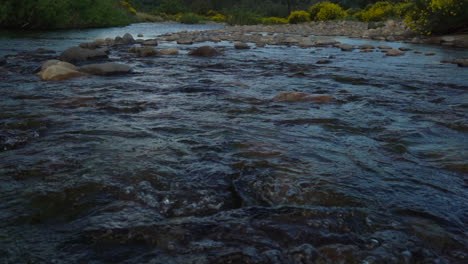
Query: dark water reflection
{"type": "Point", "coordinates": [187, 160]}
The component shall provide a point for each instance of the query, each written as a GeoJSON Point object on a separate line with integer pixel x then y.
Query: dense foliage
{"type": "Point", "coordinates": [326, 11]}
{"type": "Point", "coordinates": [36, 14]}
{"type": "Point", "coordinates": [425, 16]}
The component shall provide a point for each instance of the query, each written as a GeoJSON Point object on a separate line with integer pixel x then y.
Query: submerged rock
{"type": "Point", "coordinates": [241, 45]}
{"type": "Point", "coordinates": [366, 46]}
{"type": "Point", "coordinates": [171, 51]}
{"type": "Point", "coordinates": [149, 42]}
{"type": "Point", "coordinates": [296, 97]}
{"type": "Point", "coordinates": [185, 41]}
{"type": "Point", "coordinates": [204, 51]}
{"type": "Point", "coordinates": [346, 47]}
{"type": "Point", "coordinates": [109, 68]}
{"type": "Point", "coordinates": [80, 54]}
{"type": "Point", "coordinates": [461, 62]}
{"type": "Point", "coordinates": [395, 52]}
{"type": "Point", "coordinates": [147, 52]}
{"type": "Point", "coordinates": [323, 61]}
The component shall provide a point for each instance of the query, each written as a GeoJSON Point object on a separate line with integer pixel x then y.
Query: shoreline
{"type": "Point", "coordinates": [299, 34]}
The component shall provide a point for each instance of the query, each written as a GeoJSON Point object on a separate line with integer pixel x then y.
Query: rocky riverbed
{"type": "Point", "coordinates": [191, 148]}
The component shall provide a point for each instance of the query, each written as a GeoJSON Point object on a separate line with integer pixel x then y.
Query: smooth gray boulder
{"type": "Point", "coordinates": [80, 54]}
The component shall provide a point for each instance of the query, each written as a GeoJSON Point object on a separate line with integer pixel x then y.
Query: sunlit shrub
{"type": "Point", "coordinates": [297, 17]}
{"type": "Point", "coordinates": [330, 12]}
{"type": "Point", "coordinates": [274, 20]}
{"type": "Point", "coordinates": [218, 18]}
{"type": "Point", "coordinates": [437, 16]}
{"type": "Point", "coordinates": [322, 11]}
{"type": "Point", "coordinates": [379, 11]}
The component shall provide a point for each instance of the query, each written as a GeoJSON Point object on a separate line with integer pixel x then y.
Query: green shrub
{"type": "Point", "coordinates": [326, 11]}
{"type": "Point", "coordinates": [379, 11]}
{"type": "Point", "coordinates": [190, 18]}
{"type": "Point", "coordinates": [274, 20]}
{"type": "Point", "coordinates": [297, 17]}
{"type": "Point", "coordinates": [171, 7]}
{"type": "Point", "coordinates": [242, 16]}
{"type": "Point", "coordinates": [437, 16]}
{"type": "Point", "coordinates": [330, 12]}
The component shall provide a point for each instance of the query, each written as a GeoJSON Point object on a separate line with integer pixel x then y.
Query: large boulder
{"type": "Point", "coordinates": [149, 42]}
{"type": "Point", "coordinates": [49, 63]}
{"type": "Point", "coordinates": [346, 47]}
{"type": "Point", "coordinates": [80, 54]}
{"type": "Point", "coordinates": [59, 71]}
{"type": "Point", "coordinates": [147, 51]}
{"type": "Point", "coordinates": [128, 39]}
{"type": "Point", "coordinates": [296, 97]}
{"type": "Point", "coordinates": [461, 62]}
{"type": "Point", "coordinates": [170, 51]}
{"type": "Point", "coordinates": [395, 52]}
{"type": "Point", "coordinates": [204, 51]}
{"type": "Point", "coordinates": [105, 68]}
{"type": "Point", "coordinates": [241, 45]}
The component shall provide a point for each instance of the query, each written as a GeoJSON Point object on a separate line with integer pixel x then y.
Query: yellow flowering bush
{"type": "Point", "coordinates": [322, 11]}
{"type": "Point", "coordinates": [437, 16]}
{"type": "Point", "coordinates": [379, 11]}
{"type": "Point", "coordinates": [274, 20]}
{"type": "Point", "coordinates": [297, 17]}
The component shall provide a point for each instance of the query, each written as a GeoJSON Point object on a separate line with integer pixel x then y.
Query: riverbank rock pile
{"type": "Point", "coordinates": [299, 34]}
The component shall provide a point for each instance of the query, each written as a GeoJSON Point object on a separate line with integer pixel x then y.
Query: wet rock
{"type": "Point", "coordinates": [404, 48]}
{"type": "Point", "coordinates": [366, 46]}
{"type": "Point", "coordinates": [296, 97]}
{"type": "Point", "coordinates": [346, 47]}
{"type": "Point", "coordinates": [147, 52]}
{"type": "Point", "coordinates": [43, 51]}
{"type": "Point", "coordinates": [140, 35]}
{"type": "Point", "coordinates": [325, 43]}
{"type": "Point", "coordinates": [134, 49]}
{"type": "Point", "coordinates": [150, 42]}
{"type": "Point", "coordinates": [185, 41]}
{"type": "Point", "coordinates": [395, 52]}
{"type": "Point", "coordinates": [417, 52]}
{"type": "Point", "coordinates": [323, 62]}
{"type": "Point", "coordinates": [384, 47]}
{"type": "Point", "coordinates": [204, 51]}
{"type": "Point", "coordinates": [59, 71]}
{"type": "Point", "coordinates": [49, 63]}
{"type": "Point", "coordinates": [75, 54]}
{"type": "Point", "coordinates": [430, 54]}
{"type": "Point", "coordinates": [109, 68]}
{"type": "Point", "coordinates": [260, 45]}
{"type": "Point", "coordinates": [128, 39]}
{"type": "Point", "coordinates": [241, 45]}
{"type": "Point", "coordinates": [461, 62]}
{"type": "Point", "coordinates": [90, 45]}
{"type": "Point", "coordinates": [170, 51]}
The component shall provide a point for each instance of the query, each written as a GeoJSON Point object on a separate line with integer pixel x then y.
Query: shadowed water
{"type": "Point", "coordinates": [188, 160]}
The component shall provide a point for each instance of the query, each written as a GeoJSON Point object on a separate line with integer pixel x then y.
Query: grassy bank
{"type": "Point", "coordinates": [61, 14]}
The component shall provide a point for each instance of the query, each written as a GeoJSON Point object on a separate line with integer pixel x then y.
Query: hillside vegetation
{"type": "Point", "coordinates": [423, 16]}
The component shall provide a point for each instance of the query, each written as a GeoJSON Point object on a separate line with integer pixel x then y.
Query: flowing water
{"type": "Point", "coordinates": [188, 160]}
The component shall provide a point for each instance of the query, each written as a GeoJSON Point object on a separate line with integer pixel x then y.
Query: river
{"type": "Point", "coordinates": [188, 160]}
